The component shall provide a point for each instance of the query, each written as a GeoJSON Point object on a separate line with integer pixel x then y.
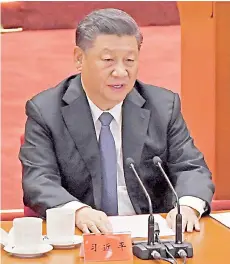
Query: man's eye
{"type": "Point", "coordinates": [130, 60]}
{"type": "Point", "coordinates": [107, 59]}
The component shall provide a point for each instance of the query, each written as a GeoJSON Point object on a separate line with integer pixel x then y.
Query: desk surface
{"type": "Point", "coordinates": [211, 245]}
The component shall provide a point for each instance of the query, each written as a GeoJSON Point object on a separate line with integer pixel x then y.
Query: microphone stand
{"type": "Point", "coordinates": [177, 246]}
{"type": "Point", "coordinates": [150, 249]}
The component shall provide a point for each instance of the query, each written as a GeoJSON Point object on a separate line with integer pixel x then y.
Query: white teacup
{"type": "Point", "coordinates": [27, 232]}
{"type": "Point", "coordinates": [60, 224]}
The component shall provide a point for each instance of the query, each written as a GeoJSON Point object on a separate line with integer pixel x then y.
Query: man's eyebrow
{"type": "Point", "coordinates": [112, 50]}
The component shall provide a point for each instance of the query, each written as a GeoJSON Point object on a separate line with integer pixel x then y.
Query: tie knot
{"type": "Point", "coordinates": [106, 118]}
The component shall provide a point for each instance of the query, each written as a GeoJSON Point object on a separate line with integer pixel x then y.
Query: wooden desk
{"type": "Point", "coordinates": [211, 246]}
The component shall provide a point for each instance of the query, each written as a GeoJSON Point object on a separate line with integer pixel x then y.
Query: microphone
{"type": "Point", "coordinates": [130, 164]}
{"type": "Point", "coordinates": [178, 245]}
{"type": "Point", "coordinates": [157, 162]}
{"type": "Point", "coordinates": [143, 250]}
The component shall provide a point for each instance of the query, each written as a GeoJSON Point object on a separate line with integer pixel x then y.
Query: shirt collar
{"type": "Point", "coordinates": [116, 111]}
{"type": "Point", "coordinates": [96, 112]}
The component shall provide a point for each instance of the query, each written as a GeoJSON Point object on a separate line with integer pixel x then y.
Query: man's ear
{"type": "Point", "coordinates": [78, 56]}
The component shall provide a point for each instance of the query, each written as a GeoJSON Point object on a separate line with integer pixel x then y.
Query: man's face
{"type": "Point", "coordinates": [109, 69]}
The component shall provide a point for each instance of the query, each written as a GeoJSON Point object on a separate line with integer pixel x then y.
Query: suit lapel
{"type": "Point", "coordinates": [79, 122]}
{"type": "Point", "coordinates": [134, 130]}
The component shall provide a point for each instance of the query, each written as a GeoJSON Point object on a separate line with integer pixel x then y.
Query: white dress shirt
{"type": "Point", "coordinates": [124, 203]}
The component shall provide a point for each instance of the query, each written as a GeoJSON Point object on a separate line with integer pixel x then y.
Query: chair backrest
{"type": "Point", "coordinates": [27, 211]}
{"type": "Point", "coordinates": [10, 214]}
{"type": "Point", "coordinates": [218, 205]}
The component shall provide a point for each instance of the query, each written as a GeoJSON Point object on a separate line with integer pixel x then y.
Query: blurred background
{"type": "Point", "coordinates": [173, 57]}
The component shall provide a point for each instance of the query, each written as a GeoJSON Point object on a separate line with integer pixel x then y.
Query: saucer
{"type": "Point", "coordinates": [28, 253]}
{"type": "Point", "coordinates": [64, 244]}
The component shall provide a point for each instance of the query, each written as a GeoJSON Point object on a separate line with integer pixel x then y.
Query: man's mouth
{"type": "Point", "coordinates": [117, 86]}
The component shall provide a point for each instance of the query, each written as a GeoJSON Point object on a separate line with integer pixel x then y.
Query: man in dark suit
{"type": "Point", "coordinates": [79, 134]}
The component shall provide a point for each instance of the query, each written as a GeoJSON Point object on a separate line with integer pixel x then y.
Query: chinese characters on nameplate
{"type": "Point", "coordinates": [107, 247]}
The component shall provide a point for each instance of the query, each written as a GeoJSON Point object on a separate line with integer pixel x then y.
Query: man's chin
{"type": "Point", "coordinates": [117, 99]}
{"type": "Point", "coordinates": [109, 103]}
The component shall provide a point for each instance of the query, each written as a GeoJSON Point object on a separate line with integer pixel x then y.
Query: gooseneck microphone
{"type": "Point", "coordinates": [158, 162]}
{"type": "Point", "coordinates": [130, 164]}
{"type": "Point", "coordinates": [178, 245]}
{"type": "Point", "coordinates": [152, 249]}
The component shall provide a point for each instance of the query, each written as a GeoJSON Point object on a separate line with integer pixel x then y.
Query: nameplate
{"type": "Point", "coordinates": [107, 247]}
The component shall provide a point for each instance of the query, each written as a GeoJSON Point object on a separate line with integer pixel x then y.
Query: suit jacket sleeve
{"type": "Point", "coordinates": [186, 165]}
{"type": "Point", "coordinates": [41, 181]}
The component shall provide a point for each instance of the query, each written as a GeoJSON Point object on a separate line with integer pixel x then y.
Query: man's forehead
{"type": "Point", "coordinates": [110, 43]}
{"type": "Point", "coordinates": [113, 49]}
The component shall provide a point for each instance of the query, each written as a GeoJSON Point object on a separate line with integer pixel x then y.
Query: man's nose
{"type": "Point", "coordinates": [120, 71]}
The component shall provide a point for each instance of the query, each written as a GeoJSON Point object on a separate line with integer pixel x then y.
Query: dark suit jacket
{"type": "Point", "coordinates": [61, 160]}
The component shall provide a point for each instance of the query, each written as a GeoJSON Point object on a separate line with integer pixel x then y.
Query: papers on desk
{"type": "Point", "coordinates": [6, 238]}
{"type": "Point", "coordinates": [223, 218]}
{"type": "Point", "coordinates": [3, 237]}
{"type": "Point", "coordinates": [138, 225]}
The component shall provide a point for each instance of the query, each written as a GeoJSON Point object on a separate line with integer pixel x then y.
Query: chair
{"type": "Point", "coordinates": [9, 215]}
{"type": "Point", "coordinates": [27, 211]}
{"type": "Point", "coordinates": [218, 205]}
